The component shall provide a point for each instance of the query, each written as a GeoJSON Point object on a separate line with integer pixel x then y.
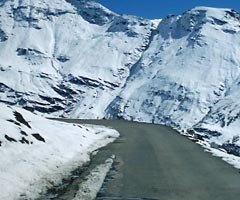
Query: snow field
{"type": "Point", "coordinates": [38, 157]}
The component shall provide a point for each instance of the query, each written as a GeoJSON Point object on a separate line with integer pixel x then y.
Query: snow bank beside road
{"type": "Point", "coordinates": [227, 150]}
{"type": "Point", "coordinates": [90, 187]}
{"type": "Point", "coordinates": [37, 153]}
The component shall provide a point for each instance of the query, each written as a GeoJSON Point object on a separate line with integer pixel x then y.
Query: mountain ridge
{"type": "Point", "coordinates": [78, 59]}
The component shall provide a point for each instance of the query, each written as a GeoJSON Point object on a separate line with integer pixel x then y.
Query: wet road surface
{"type": "Point", "coordinates": [155, 162]}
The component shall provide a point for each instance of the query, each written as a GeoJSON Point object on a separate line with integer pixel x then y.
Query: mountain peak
{"type": "Point", "coordinates": [211, 12]}
{"type": "Point", "coordinates": [201, 21]}
{"type": "Point", "coordinates": [92, 11]}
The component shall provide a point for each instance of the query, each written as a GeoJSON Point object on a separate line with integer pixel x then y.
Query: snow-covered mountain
{"type": "Point", "coordinates": [190, 65]}
{"type": "Point", "coordinates": [67, 57]}
{"type": "Point", "coordinates": [75, 58]}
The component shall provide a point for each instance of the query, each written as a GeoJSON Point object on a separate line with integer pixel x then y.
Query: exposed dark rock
{"type": "Point", "coordinates": [44, 75]}
{"type": "Point", "coordinates": [219, 22]}
{"type": "Point", "coordinates": [91, 12]}
{"type": "Point", "coordinates": [48, 99]}
{"type": "Point", "coordinates": [24, 141]}
{"type": "Point", "coordinates": [208, 132]}
{"type": "Point", "coordinates": [24, 52]}
{"type": "Point", "coordinates": [3, 36]}
{"type": "Point", "coordinates": [19, 14]}
{"type": "Point", "coordinates": [8, 103]}
{"type": "Point", "coordinates": [63, 59]}
{"type": "Point", "coordinates": [2, 69]}
{"type": "Point", "coordinates": [122, 24]}
{"type": "Point", "coordinates": [233, 13]}
{"type": "Point", "coordinates": [38, 137]}
{"type": "Point", "coordinates": [113, 85]}
{"type": "Point", "coordinates": [10, 139]}
{"type": "Point", "coordinates": [83, 81]}
{"type": "Point", "coordinates": [232, 149]}
{"type": "Point", "coordinates": [14, 122]}
{"type": "Point", "coordinates": [198, 137]}
{"type": "Point", "coordinates": [4, 88]}
{"type": "Point", "coordinates": [191, 132]}
{"type": "Point", "coordinates": [214, 145]}
{"type": "Point", "coordinates": [50, 109]}
{"type": "Point", "coordinates": [233, 119]}
{"type": "Point", "coordinates": [23, 133]}
{"type": "Point", "coordinates": [20, 119]}
{"type": "Point", "coordinates": [235, 139]}
{"type": "Point", "coordinates": [64, 91]}
{"type": "Point", "coordinates": [21, 52]}
{"type": "Point", "coordinates": [40, 103]}
{"type": "Point", "coordinates": [31, 109]}
{"type": "Point", "coordinates": [230, 31]}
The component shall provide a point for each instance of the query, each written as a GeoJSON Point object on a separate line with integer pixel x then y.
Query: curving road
{"type": "Point", "coordinates": [155, 162]}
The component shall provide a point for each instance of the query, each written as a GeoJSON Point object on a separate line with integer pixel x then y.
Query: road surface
{"type": "Point", "coordinates": [155, 162]}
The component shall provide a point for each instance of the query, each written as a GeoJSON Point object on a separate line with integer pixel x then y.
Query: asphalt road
{"type": "Point", "coordinates": [155, 162]}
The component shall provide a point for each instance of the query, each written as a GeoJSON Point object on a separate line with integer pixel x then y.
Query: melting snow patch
{"type": "Point", "coordinates": [212, 147]}
{"type": "Point", "coordinates": [229, 158]}
{"type": "Point", "coordinates": [88, 189]}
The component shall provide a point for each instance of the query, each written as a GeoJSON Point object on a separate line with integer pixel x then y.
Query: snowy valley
{"type": "Point", "coordinates": [77, 59]}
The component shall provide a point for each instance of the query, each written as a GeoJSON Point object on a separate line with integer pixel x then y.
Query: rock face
{"type": "Point", "coordinates": [76, 58]}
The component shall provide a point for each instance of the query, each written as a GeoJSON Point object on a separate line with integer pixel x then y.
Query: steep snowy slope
{"type": "Point", "coordinates": [66, 56]}
{"type": "Point", "coordinates": [191, 64]}
{"type": "Point", "coordinates": [76, 58]}
{"type": "Point", "coordinates": [36, 157]}
{"type": "Point", "coordinates": [221, 125]}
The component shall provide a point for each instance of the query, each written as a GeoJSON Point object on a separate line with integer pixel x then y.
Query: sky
{"type": "Point", "coordinates": [155, 9]}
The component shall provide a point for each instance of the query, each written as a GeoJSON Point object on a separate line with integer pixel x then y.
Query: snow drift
{"type": "Point", "coordinates": [37, 153]}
